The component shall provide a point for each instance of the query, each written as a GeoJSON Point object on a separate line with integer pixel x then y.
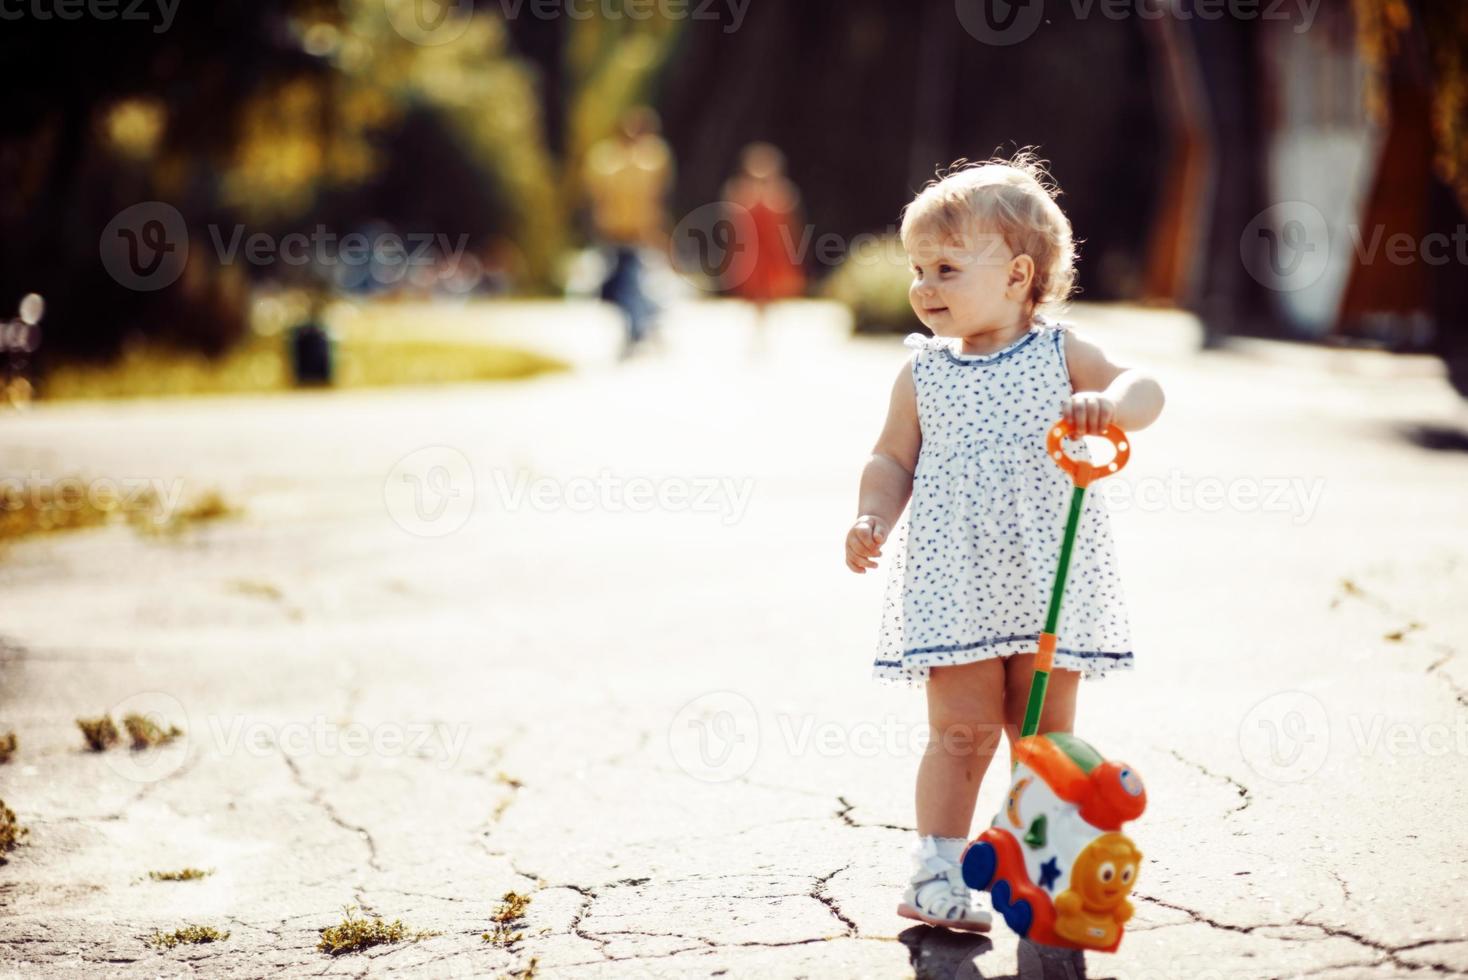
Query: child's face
{"type": "Point", "coordinates": [967, 286]}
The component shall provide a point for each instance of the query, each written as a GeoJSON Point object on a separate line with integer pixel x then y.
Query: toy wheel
{"type": "Point", "coordinates": [1019, 918]}
{"type": "Point", "coordinates": [979, 864]}
{"type": "Point", "coordinates": [1017, 915]}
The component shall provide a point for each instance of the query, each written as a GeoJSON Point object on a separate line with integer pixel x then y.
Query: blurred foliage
{"type": "Point", "coordinates": [873, 282]}
{"type": "Point", "coordinates": [8, 745]}
{"type": "Point", "coordinates": [610, 66]}
{"type": "Point", "coordinates": [383, 349]}
{"type": "Point", "coordinates": [70, 503]}
{"type": "Point", "coordinates": [1389, 31]}
{"type": "Point", "coordinates": [280, 114]}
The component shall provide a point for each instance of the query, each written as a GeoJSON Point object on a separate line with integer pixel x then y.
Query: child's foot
{"type": "Point", "coordinates": [937, 894]}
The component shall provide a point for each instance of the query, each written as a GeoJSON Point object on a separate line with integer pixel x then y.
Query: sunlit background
{"type": "Point", "coordinates": [501, 372]}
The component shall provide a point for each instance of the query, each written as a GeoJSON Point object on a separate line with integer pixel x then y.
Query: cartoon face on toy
{"type": "Point", "coordinates": [1105, 872]}
{"type": "Point", "coordinates": [1094, 909]}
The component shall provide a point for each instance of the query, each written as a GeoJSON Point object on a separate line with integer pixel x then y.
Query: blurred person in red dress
{"type": "Point", "coordinates": [772, 232]}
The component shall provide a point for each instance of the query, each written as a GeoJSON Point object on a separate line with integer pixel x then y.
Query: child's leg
{"type": "Point", "coordinates": [1059, 712]}
{"type": "Point", "coordinates": [966, 716]}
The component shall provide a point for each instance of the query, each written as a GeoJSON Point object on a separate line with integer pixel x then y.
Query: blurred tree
{"type": "Point", "coordinates": [277, 115]}
{"type": "Point", "coordinates": [1386, 31]}
{"type": "Point", "coordinates": [867, 98]}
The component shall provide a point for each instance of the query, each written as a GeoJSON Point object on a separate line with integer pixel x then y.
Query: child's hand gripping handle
{"type": "Point", "coordinates": [1081, 473]}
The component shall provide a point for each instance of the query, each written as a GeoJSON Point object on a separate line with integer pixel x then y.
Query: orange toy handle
{"type": "Point", "coordinates": [1082, 472]}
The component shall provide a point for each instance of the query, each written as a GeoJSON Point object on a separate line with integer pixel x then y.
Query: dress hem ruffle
{"type": "Point", "coordinates": [915, 670]}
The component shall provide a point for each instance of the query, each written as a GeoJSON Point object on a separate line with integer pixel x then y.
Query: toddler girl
{"type": "Point", "coordinates": [974, 564]}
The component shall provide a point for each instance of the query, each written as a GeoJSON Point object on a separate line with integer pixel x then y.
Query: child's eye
{"type": "Point", "coordinates": [946, 268]}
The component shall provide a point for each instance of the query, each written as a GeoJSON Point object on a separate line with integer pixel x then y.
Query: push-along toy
{"type": "Point", "coordinates": [1054, 859]}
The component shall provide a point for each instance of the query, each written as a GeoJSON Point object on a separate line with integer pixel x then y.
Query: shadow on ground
{"type": "Point", "coordinates": [941, 954]}
{"type": "Point", "coordinates": [1441, 438]}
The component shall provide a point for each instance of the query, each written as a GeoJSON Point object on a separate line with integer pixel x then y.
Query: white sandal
{"type": "Point", "coordinates": [937, 894]}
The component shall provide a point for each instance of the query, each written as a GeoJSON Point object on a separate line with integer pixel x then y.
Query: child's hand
{"type": "Point", "coordinates": [1089, 413]}
{"type": "Point", "coordinates": [864, 542]}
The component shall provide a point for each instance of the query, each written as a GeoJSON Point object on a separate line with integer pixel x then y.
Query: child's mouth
{"type": "Point", "coordinates": [936, 309]}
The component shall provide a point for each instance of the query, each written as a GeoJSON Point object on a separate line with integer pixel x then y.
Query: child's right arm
{"type": "Point", "coordinates": [886, 480]}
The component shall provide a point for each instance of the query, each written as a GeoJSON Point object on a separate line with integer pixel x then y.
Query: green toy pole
{"type": "Point", "coordinates": [1082, 473]}
{"type": "Point", "coordinates": [1041, 681]}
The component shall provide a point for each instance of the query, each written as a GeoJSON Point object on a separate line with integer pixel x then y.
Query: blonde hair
{"type": "Point", "coordinates": [1014, 198]}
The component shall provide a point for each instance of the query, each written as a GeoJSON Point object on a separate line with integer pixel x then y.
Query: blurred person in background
{"type": "Point", "coordinates": [628, 176]}
{"type": "Point", "coordinates": [772, 234]}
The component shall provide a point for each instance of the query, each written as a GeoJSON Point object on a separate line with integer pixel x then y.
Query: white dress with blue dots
{"type": "Point", "coordinates": [973, 561]}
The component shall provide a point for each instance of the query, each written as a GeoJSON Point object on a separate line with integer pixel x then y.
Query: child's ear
{"type": "Point", "coordinates": [1021, 275]}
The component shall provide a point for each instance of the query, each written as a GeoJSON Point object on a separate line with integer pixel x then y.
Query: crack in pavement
{"type": "Point", "coordinates": [318, 797]}
{"type": "Point", "coordinates": [590, 895]}
{"type": "Point", "coordinates": [1351, 589]}
{"type": "Point", "coordinates": [1433, 668]}
{"type": "Point", "coordinates": [1244, 792]}
{"type": "Point", "coordinates": [844, 815]}
{"type": "Point", "coordinates": [818, 893]}
{"type": "Point", "coordinates": [1387, 953]}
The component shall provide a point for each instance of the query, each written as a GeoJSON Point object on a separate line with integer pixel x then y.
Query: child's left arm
{"type": "Point", "coordinates": [1105, 392]}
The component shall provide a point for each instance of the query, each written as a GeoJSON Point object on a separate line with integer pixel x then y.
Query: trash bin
{"type": "Point", "coordinates": [310, 353]}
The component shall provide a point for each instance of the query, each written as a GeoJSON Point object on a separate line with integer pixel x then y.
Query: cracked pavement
{"type": "Point", "coordinates": [656, 721]}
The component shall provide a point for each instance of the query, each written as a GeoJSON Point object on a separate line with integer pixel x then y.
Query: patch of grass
{"type": "Point", "coordinates": [11, 832]}
{"type": "Point", "coordinates": [100, 733]}
{"type": "Point", "coordinates": [508, 919]}
{"type": "Point", "coordinates": [185, 874]}
{"type": "Point", "coordinates": [528, 972]}
{"type": "Point", "coordinates": [145, 733]}
{"type": "Point", "coordinates": [8, 745]}
{"type": "Point", "coordinates": [261, 365]}
{"type": "Point", "coordinates": [209, 505]}
{"type": "Point", "coordinates": [188, 934]}
{"type": "Point", "coordinates": [67, 503]}
{"type": "Point", "coordinates": [356, 933]}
